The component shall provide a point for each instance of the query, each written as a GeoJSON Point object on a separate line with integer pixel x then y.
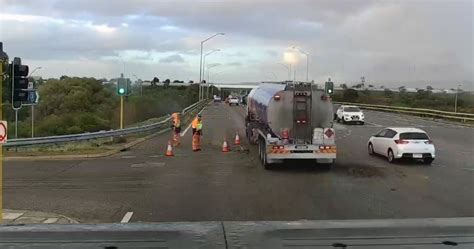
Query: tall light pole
{"type": "Point", "coordinates": [208, 79]}
{"type": "Point", "coordinates": [33, 109]}
{"type": "Point", "coordinates": [141, 85]}
{"type": "Point", "coordinates": [204, 61]}
{"type": "Point", "coordinates": [288, 67]}
{"type": "Point", "coordinates": [307, 60]}
{"type": "Point", "coordinates": [456, 99]}
{"type": "Point", "coordinates": [200, 63]}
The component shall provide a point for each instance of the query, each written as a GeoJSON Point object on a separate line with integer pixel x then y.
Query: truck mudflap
{"type": "Point", "coordinates": [301, 152]}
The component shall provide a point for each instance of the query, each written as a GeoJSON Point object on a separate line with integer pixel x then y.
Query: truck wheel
{"type": "Point", "coordinates": [263, 157]}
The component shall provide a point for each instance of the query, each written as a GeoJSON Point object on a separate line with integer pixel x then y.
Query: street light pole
{"type": "Point", "coordinates": [456, 99]}
{"type": "Point", "coordinates": [307, 60]}
{"type": "Point", "coordinates": [200, 63]}
{"type": "Point", "coordinates": [141, 85]}
{"type": "Point", "coordinates": [204, 61]}
{"type": "Point", "coordinates": [33, 109]}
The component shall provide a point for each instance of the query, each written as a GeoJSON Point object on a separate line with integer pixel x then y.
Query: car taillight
{"type": "Point", "coordinates": [429, 142]}
{"type": "Point", "coordinates": [400, 141]}
{"type": "Point", "coordinates": [277, 97]}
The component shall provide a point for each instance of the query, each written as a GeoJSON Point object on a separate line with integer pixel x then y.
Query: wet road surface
{"type": "Point", "coordinates": [210, 185]}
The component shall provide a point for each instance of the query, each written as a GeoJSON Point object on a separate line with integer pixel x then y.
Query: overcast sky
{"type": "Point", "coordinates": [391, 43]}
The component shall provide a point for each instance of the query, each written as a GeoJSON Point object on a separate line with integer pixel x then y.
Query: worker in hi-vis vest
{"type": "Point", "coordinates": [197, 132]}
{"type": "Point", "coordinates": [176, 126]}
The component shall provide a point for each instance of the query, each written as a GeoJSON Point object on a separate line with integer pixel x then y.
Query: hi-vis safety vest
{"type": "Point", "coordinates": [197, 124]}
{"type": "Point", "coordinates": [176, 121]}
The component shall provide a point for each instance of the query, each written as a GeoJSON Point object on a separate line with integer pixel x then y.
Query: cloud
{"type": "Point", "coordinates": [383, 40]}
{"type": "Point", "coordinates": [176, 58]}
{"type": "Point", "coordinates": [234, 64]}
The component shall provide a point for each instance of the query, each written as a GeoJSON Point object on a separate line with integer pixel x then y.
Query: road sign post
{"type": "Point", "coordinates": [121, 112]}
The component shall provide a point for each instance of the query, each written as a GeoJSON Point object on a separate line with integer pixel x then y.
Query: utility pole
{"type": "Point", "coordinates": [456, 99]}
{"type": "Point", "coordinates": [121, 112]}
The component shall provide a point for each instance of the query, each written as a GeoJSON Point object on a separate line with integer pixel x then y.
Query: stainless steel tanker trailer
{"type": "Point", "coordinates": [291, 121]}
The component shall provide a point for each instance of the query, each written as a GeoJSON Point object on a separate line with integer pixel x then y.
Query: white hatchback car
{"type": "Point", "coordinates": [396, 143]}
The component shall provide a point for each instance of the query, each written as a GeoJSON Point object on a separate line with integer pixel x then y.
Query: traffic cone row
{"type": "Point", "coordinates": [237, 139]}
{"type": "Point", "coordinates": [169, 150]}
{"type": "Point", "coordinates": [225, 147]}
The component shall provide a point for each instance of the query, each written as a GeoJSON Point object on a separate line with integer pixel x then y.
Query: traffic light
{"type": "Point", "coordinates": [19, 80]}
{"type": "Point", "coordinates": [122, 87]}
{"type": "Point", "coordinates": [329, 87]}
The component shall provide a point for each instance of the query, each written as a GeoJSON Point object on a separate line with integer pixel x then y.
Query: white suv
{"type": "Point", "coordinates": [350, 113]}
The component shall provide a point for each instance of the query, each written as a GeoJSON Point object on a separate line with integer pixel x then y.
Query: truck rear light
{"type": "Point", "coordinates": [281, 147]}
{"type": "Point", "coordinates": [303, 121]}
{"type": "Point", "coordinates": [400, 141]}
{"type": "Point", "coordinates": [277, 97]}
{"type": "Point", "coordinates": [285, 134]}
{"type": "Point", "coordinates": [325, 97]}
{"type": "Point", "coordinates": [429, 142]}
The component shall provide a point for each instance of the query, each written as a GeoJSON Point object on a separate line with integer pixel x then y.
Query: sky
{"type": "Point", "coordinates": [413, 43]}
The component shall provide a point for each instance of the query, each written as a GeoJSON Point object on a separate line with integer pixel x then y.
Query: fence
{"type": "Point", "coordinates": [100, 134]}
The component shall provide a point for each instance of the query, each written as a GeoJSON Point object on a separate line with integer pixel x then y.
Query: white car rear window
{"type": "Point", "coordinates": [414, 136]}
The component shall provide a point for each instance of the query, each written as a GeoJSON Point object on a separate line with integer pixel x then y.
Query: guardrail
{"type": "Point", "coordinates": [95, 135]}
{"type": "Point", "coordinates": [461, 117]}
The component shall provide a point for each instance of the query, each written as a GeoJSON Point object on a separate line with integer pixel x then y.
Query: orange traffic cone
{"type": "Point", "coordinates": [225, 147]}
{"type": "Point", "coordinates": [237, 139]}
{"type": "Point", "coordinates": [169, 150]}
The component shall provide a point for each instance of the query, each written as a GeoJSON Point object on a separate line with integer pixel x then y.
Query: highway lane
{"type": "Point", "coordinates": [211, 185]}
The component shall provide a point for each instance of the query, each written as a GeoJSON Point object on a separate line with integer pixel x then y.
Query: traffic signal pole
{"type": "Point", "coordinates": [121, 112]}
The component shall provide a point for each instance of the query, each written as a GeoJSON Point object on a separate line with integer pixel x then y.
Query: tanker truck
{"type": "Point", "coordinates": [291, 121]}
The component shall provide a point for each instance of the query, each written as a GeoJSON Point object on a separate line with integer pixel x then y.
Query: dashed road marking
{"type": "Point", "coordinates": [11, 216]}
{"type": "Point", "coordinates": [186, 130]}
{"type": "Point", "coordinates": [470, 169]}
{"type": "Point", "coordinates": [155, 156]}
{"type": "Point", "coordinates": [50, 220]}
{"type": "Point", "coordinates": [126, 218]}
{"type": "Point", "coordinates": [128, 157]}
{"type": "Point", "coordinates": [374, 124]}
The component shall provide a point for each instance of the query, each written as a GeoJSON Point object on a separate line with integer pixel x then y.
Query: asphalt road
{"type": "Point", "coordinates": [211, 185]}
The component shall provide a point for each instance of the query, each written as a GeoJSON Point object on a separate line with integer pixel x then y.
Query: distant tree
{"type": "Point", "coordinates": [166, 83]}
{"type": "Point", "coordinates": [359, 86]}
{"type": "Point", "coordinates": [155, 81]}
{"type": "Point", "coordinates": [350, 95]}
{"type": "Point", "coordinates": [402, 89]}
{"type": "Point", "coordinates": [371, 86]}
{"type": "Point", "coordinates": [382, 87]}
{"type": "Point", "coordinates": [387, 92]}
{"type": "Point", "coordinates": [176, 81]}
{"type": "Point", "coordinates": [63, 77]}
{"type": "Point", "coordinates": [429, 88]}
{"type": "Point", "coordinates": [343, 86]}
{"type": "Point", "coordinates": [191, 82]}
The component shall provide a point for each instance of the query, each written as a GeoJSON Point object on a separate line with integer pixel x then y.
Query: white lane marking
{"type": "Point", "coordinates": [155, 156]}
{"type": "Point", "coordinates": [11, 216]}
{"type": "Point", "coordinates": [125, 157]}
{"type": "Point", "coordinates": [126, 218]}
{"type": "Point", "coordinates": [184, 132]}
{"type": "Point", "coordinates": [374, 124]}
{"type": "Point", "coordinates": [50, 220]}
{"type": "Point", "coordinates": [471, 169]}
